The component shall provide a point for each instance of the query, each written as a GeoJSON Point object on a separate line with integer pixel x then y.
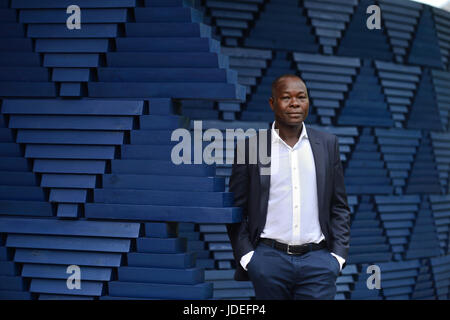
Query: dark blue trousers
{"type": "Point", "coordinates": [280, 276]}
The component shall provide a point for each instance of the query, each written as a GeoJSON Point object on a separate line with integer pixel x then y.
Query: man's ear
{"type": "Point", "coordinates": [271, 101]}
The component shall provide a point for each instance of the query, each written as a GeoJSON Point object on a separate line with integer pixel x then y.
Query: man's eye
{"type": "Point", "coordinates": [285, 98]}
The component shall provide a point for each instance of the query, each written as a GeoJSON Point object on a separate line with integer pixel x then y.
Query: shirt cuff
{"type": "Point", "coordinates": [340, 260]}
{"type": "Point", "coordinates": [246, 259]}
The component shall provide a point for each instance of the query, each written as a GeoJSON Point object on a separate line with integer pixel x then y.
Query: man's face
{"type": "Point", "coordinates": [290, 102]}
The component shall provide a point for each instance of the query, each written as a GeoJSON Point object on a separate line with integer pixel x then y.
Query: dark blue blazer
{"type": "Point", "coordinates": [251, 193]}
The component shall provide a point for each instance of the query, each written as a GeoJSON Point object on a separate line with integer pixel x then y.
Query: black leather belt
{"type": "Point", "coordinates": [294, 249]}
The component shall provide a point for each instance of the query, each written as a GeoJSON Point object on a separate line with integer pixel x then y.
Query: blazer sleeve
{"type": "Point", "coordinates": [340, 212]}
{"type": "Point", "coordinates": [239, 185]}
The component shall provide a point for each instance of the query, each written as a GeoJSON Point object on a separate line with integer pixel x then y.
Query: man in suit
{"type": "Point", "coordinates": [293, 239]}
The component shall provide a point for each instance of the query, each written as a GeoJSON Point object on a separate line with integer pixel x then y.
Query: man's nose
{"type": "Point", "coordinates": [295, 103]}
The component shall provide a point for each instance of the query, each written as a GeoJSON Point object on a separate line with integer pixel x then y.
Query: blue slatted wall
{"type": "Point", "coordinates": [86, 119]}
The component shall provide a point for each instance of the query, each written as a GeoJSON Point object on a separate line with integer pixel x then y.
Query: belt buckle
{"type": "Point", "coordinates": [288, 251]}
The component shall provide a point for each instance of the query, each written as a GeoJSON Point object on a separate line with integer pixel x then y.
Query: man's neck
{"type": "Point", "coordinates": [289, 134]}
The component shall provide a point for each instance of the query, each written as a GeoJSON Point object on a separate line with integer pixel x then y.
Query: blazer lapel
{"type": "Point", "coordinates": [319, 162]}
{"type": "Point", "coordinates": [265, 179]}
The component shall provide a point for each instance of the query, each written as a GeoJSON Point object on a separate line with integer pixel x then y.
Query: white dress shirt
{"type": "Point", "coordinates": [293, 212]}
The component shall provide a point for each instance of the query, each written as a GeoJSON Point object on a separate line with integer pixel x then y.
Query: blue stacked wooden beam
{"type": "Point", "coordinates": [440, 205]}
{"type": "Point", "coordinates": [20, 193]}
{"type": "Point", "coordinates": [166, 13]}
{"type": "Point", "coordinates": [13, 71]}
{"type": "Point", "coordinates": [400, 20]}
{"type": "Point", "coordinates": [68, 75]}
{"type": "Point", "coordinates": [26, 4]}
{"type": "Point", "coordinates": [425, 44]}
{"type": "Point", "coordinates": [21, 73]}
{"type": "Point", "coordinates": [47, 25]}
{"type": "Point", "coordinates": [150, 45]}
{"type": "Point", "coordinates": [398, 279]}
{"type": "Point", "coordinates": [12, 286]}
{"type": "Point", "coordinates": [441, 143]}
{"type": "Point", "coordinates": [347, 138]}
{"type": "Point", "coordinates": [139, 192]}
{"type": "Point", "coordinates": [424, 285]}
{"type": "Point", "coordinates": [398, 214]}
{"type": "Point", "coordinates": [154, 73]}
{"type": "Point", "coordinates": [424, 112]}
{"type": "Point", "coordinates": [441, 20]}
{"type": "Point", "coordinates": [398, 148]}
{"type": "Point", "coordinates": [441, 276]}
{"type": "Point", "coordinates": [227, 288]}
{"type": "Point", "coordinates": [232, 20]}
{"type": "Point", "coordinates": [249, 65]}
{"type": "Point", "coordinates": [45, 296]}
{"type": "Point", "coordinates": [160, 268]}
{"type": "Point", "coordinates": [158, 89]}
{"type": "Point", "coordinates": [217, 241]}
{"type": "Point", "coordinates": [365, 104]}
{"type": "Point", "coordinates": [202, 109]}
{"type": "Point", "coordinates": [66, 131]}
{"type": "Point", "coordinates": [55, 15]}
{"type": "Point", "coordinates": [196, 245]}
{"type": "Point", "coordinates": [282, 25]}
{"type": "Point", "coordinates": [360, 41]}
{"type": "Point", "coordinates": [441, 83]}
{"type": "Point", "coordinates": [229, 19]}
{"type": "Point", "coordinates": [172, 44]}
{"type": "Point", "coordinates": [424, 176]}
{"type": "Point", "coordinates": [154, 197]}
{"type": "Point", "coordinates": [134, 87]}
{"type": "Point", "coordinates": [45, 248]}
{"type": "Point", "coordinates": [162, 212]}
{"type": "Point", "coordinates": [368, 243]}
{"type": "Point", "coordinates": [160, 71]}
{"type": "Point", "coordinates": [366, 172]}
{"type": "Point", "coordinates": [346, 281]}
{"type": "Point", "coordinates": [399, 83]}
{"type": "Point", "coordinates": [329, 20]}
{"type": "Point", "coordinates": [93, 30]}
{"type": "Point", "coordinates": [423, 241]}
{"type": "Point", "coordinates": [222, 252]}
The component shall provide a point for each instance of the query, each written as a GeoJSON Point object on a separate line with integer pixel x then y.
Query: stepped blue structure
{"type": "Point", "coordinates": [87, 178]}
{"type": "Point", "coordinates": [87, 116]}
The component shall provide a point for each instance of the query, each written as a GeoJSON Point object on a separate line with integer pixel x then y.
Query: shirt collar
{"type": "Point", "coordinates": [277, 139]}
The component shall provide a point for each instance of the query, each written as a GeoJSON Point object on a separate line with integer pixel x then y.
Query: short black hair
{"type": "Point", "coordinates": [287, 75]}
